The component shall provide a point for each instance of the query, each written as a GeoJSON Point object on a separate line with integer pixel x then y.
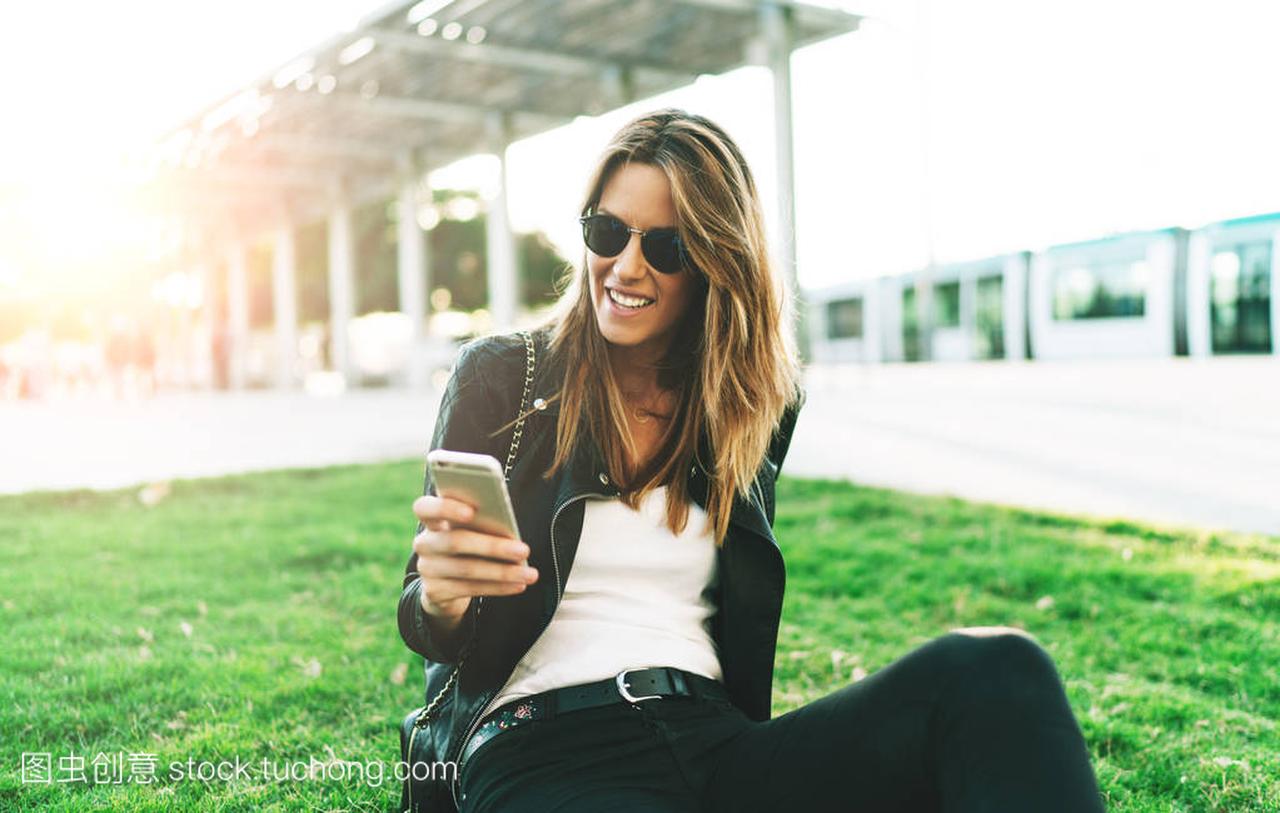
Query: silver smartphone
{"type": "Point", "coordinates": [477, 480]}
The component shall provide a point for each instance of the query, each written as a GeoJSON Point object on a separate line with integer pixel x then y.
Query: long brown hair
{"type": "Point", "coordinates": [732, 365]}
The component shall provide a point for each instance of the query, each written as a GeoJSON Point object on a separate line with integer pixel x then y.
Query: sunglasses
{"type": "Point", "coordinates": [607, 236]}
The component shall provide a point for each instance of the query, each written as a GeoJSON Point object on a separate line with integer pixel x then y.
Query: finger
{"type": "Point", "coordinates": [463, 542]}
{"type": "Point", "coordinates": [433, 507]}
{"type": "Point", "coordinates": [470, 567]}
{"type": "Point", "coordinates": [443, 590]}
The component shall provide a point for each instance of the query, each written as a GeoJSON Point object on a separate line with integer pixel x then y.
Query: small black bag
{"type": "Point", "coordinates": [428, 785]}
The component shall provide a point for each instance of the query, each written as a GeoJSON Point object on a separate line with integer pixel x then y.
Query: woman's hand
{"type": "Point", "coordinates": [456, 564]}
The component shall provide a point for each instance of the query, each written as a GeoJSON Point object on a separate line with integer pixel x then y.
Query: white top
{"type": "Point", "coordinates": [637, 596]}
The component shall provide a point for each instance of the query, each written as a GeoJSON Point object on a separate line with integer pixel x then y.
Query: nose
{"type": "Point", "coordinates": [630, 264]}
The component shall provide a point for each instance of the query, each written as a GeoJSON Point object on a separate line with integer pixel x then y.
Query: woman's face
{"type": "Point", "coordinates": [640, 196]}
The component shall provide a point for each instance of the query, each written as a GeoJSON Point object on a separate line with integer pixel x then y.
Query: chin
{"type": "Point", "coordinates": [619, 335]}
{"type": "Point", "coordinates": [622, 335]}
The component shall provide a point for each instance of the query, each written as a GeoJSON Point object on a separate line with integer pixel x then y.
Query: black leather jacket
{"type": "Point", "coordinates": [483, 394]}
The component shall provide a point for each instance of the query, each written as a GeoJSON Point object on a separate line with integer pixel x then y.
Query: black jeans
{"type": "Point", "coordinates": [963, 723]}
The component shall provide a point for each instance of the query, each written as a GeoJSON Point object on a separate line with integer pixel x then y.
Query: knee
{"type": "Point", "coordinates": [992, 632]}
{"type": "Point", "coordinates": [1000, 661]}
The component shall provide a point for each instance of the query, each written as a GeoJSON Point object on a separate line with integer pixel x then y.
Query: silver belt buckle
{"type": "Point", "coordinates": [621, 680]}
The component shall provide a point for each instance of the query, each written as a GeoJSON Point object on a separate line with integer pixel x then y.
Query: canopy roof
{"type": "Point", "coordinates": [417, 85]}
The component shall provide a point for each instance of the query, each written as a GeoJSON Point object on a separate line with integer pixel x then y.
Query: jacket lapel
{"type": "Point", "coordinates": [587, 464]}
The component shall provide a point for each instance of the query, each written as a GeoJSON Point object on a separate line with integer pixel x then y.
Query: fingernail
{"type": "Point", "coordinates": [530, 574]}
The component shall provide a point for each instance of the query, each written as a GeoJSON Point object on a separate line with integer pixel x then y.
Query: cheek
{"type": "Point", "coordinates": [597, 269]}
{"type": "Point", "coordinates": [594, 278]}
{"type": "Point", "coordinates": [677, 293]}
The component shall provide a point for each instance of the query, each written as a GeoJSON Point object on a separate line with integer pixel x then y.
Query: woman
{"type": "Point", "coordinates": [620, 655]}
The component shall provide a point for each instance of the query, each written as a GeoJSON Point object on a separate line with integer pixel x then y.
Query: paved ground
{"type": "Point", "coordinates": [106, 444]}
{"type": "Point", "coordinates": [1176, 441]}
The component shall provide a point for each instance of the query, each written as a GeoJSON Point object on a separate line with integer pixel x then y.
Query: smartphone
{"type": "Point", "coordinates": [477, 480]}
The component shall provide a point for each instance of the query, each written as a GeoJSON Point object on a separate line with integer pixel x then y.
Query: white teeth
{"type": "Point", "coordinates": [628, 301]}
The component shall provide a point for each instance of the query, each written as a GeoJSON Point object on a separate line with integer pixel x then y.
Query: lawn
{"type": "Point", "coordinates": [252, 617]}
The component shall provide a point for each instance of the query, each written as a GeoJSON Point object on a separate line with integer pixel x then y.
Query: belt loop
{"type": "Point", "coordinates": [701, 687]}
{"type": "Point", "coordinates": [549, 705]}
{"type": "Point", "coordinates": [678, 683]}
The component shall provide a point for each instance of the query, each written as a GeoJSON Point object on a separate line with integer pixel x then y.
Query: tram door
{"type": "Point", "coordinates": [1240, 298]}
{"type": "Point", "coordinates": [990, 318]}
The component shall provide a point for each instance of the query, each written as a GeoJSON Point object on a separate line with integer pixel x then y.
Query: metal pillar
{"type": "Point", "coordinates": [199, 349]}
{"type": "Point", "coordinates": [341, 288]}
{"type": "Point", "coordinates": [412, 276]}
{"type": "Point", "coordinates": [924, 279]}
{"type": "Point", "coordinates": [284, 299]}
{"type": "Point", "coordinates": [237, 317]}
{"type": "Point", "coordinates": [779, 33]}
{"type": "Point", "coordinates": [500, 243]}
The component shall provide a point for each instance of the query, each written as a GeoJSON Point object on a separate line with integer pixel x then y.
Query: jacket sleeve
{"type": "Point", "coordinates": [777, 452]}
{"type": "Point", "coordinates": [782, 435]}
{"type": "Point", "coordinates": [467, 416]}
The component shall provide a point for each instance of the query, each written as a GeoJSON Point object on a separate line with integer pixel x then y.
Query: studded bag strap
{"type": "Point", "coordinates": [530, 362]}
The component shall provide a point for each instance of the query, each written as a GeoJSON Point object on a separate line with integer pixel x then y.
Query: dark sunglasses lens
{"type": "Point", "coordinates": [604, 235]}
{"type": "Point", "coordinates": [662, 250]}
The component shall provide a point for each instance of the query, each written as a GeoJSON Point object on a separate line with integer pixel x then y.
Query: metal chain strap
{"type": "Point", "coordinates": [530, 360]}
{"type": "Point", "coordinates": [430, 708]}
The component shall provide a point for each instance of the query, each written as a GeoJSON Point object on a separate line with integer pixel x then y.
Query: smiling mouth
{"type": "Point", "coordinates": [630, 302]}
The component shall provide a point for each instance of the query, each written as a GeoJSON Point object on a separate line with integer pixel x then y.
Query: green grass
{"type": "Point", "coordinates": [253, 616]}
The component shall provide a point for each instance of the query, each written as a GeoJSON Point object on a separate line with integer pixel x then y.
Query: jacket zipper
{"type": "Point", "coordinates": [555, 559]}
{"type": "Point", "coordinates": [555, 563]}
{"type": "Point", "coordinates": [457, 776]}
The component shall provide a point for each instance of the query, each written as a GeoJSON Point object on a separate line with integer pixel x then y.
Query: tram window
{"type": "Point", "coordinates": [946, 304]}
{"type": "Point", "coordinates": [844, 318]}
{"type": "Point", "coordinates": [1226, 274]}
{"type": "Point", "coordinates": [911, 345]}
{"type": "Point", "coordinates": [1100, 291]}
{"type": "Point", "coordinates": [1240, 299]}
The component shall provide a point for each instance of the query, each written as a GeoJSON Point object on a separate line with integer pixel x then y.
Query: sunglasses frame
{"type": "Point", "coordinates": [682, 253]}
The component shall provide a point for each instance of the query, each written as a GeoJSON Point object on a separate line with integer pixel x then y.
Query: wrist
{"type": "Point", "coordinates": [448, 614]}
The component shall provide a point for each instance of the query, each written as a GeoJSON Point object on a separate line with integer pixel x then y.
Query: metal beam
{"type": "Point", "coordinates": [322, 147]}
{"type": "Point", "coordinates": [524, 59]}
{"type": "Point", "coordinates": [350, 104]}
{"type": "Point", "coordinates": [436, 110]}
{"type": "Point", "coordinates": [248, 175]}
{"type": "Point", "coordinates": [803, 13]}
{"type": "Point", "coordinates": [355, 196]}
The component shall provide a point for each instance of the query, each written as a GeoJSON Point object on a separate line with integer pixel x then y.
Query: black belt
{"type": "Point", "coordinates": [630, 685]}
